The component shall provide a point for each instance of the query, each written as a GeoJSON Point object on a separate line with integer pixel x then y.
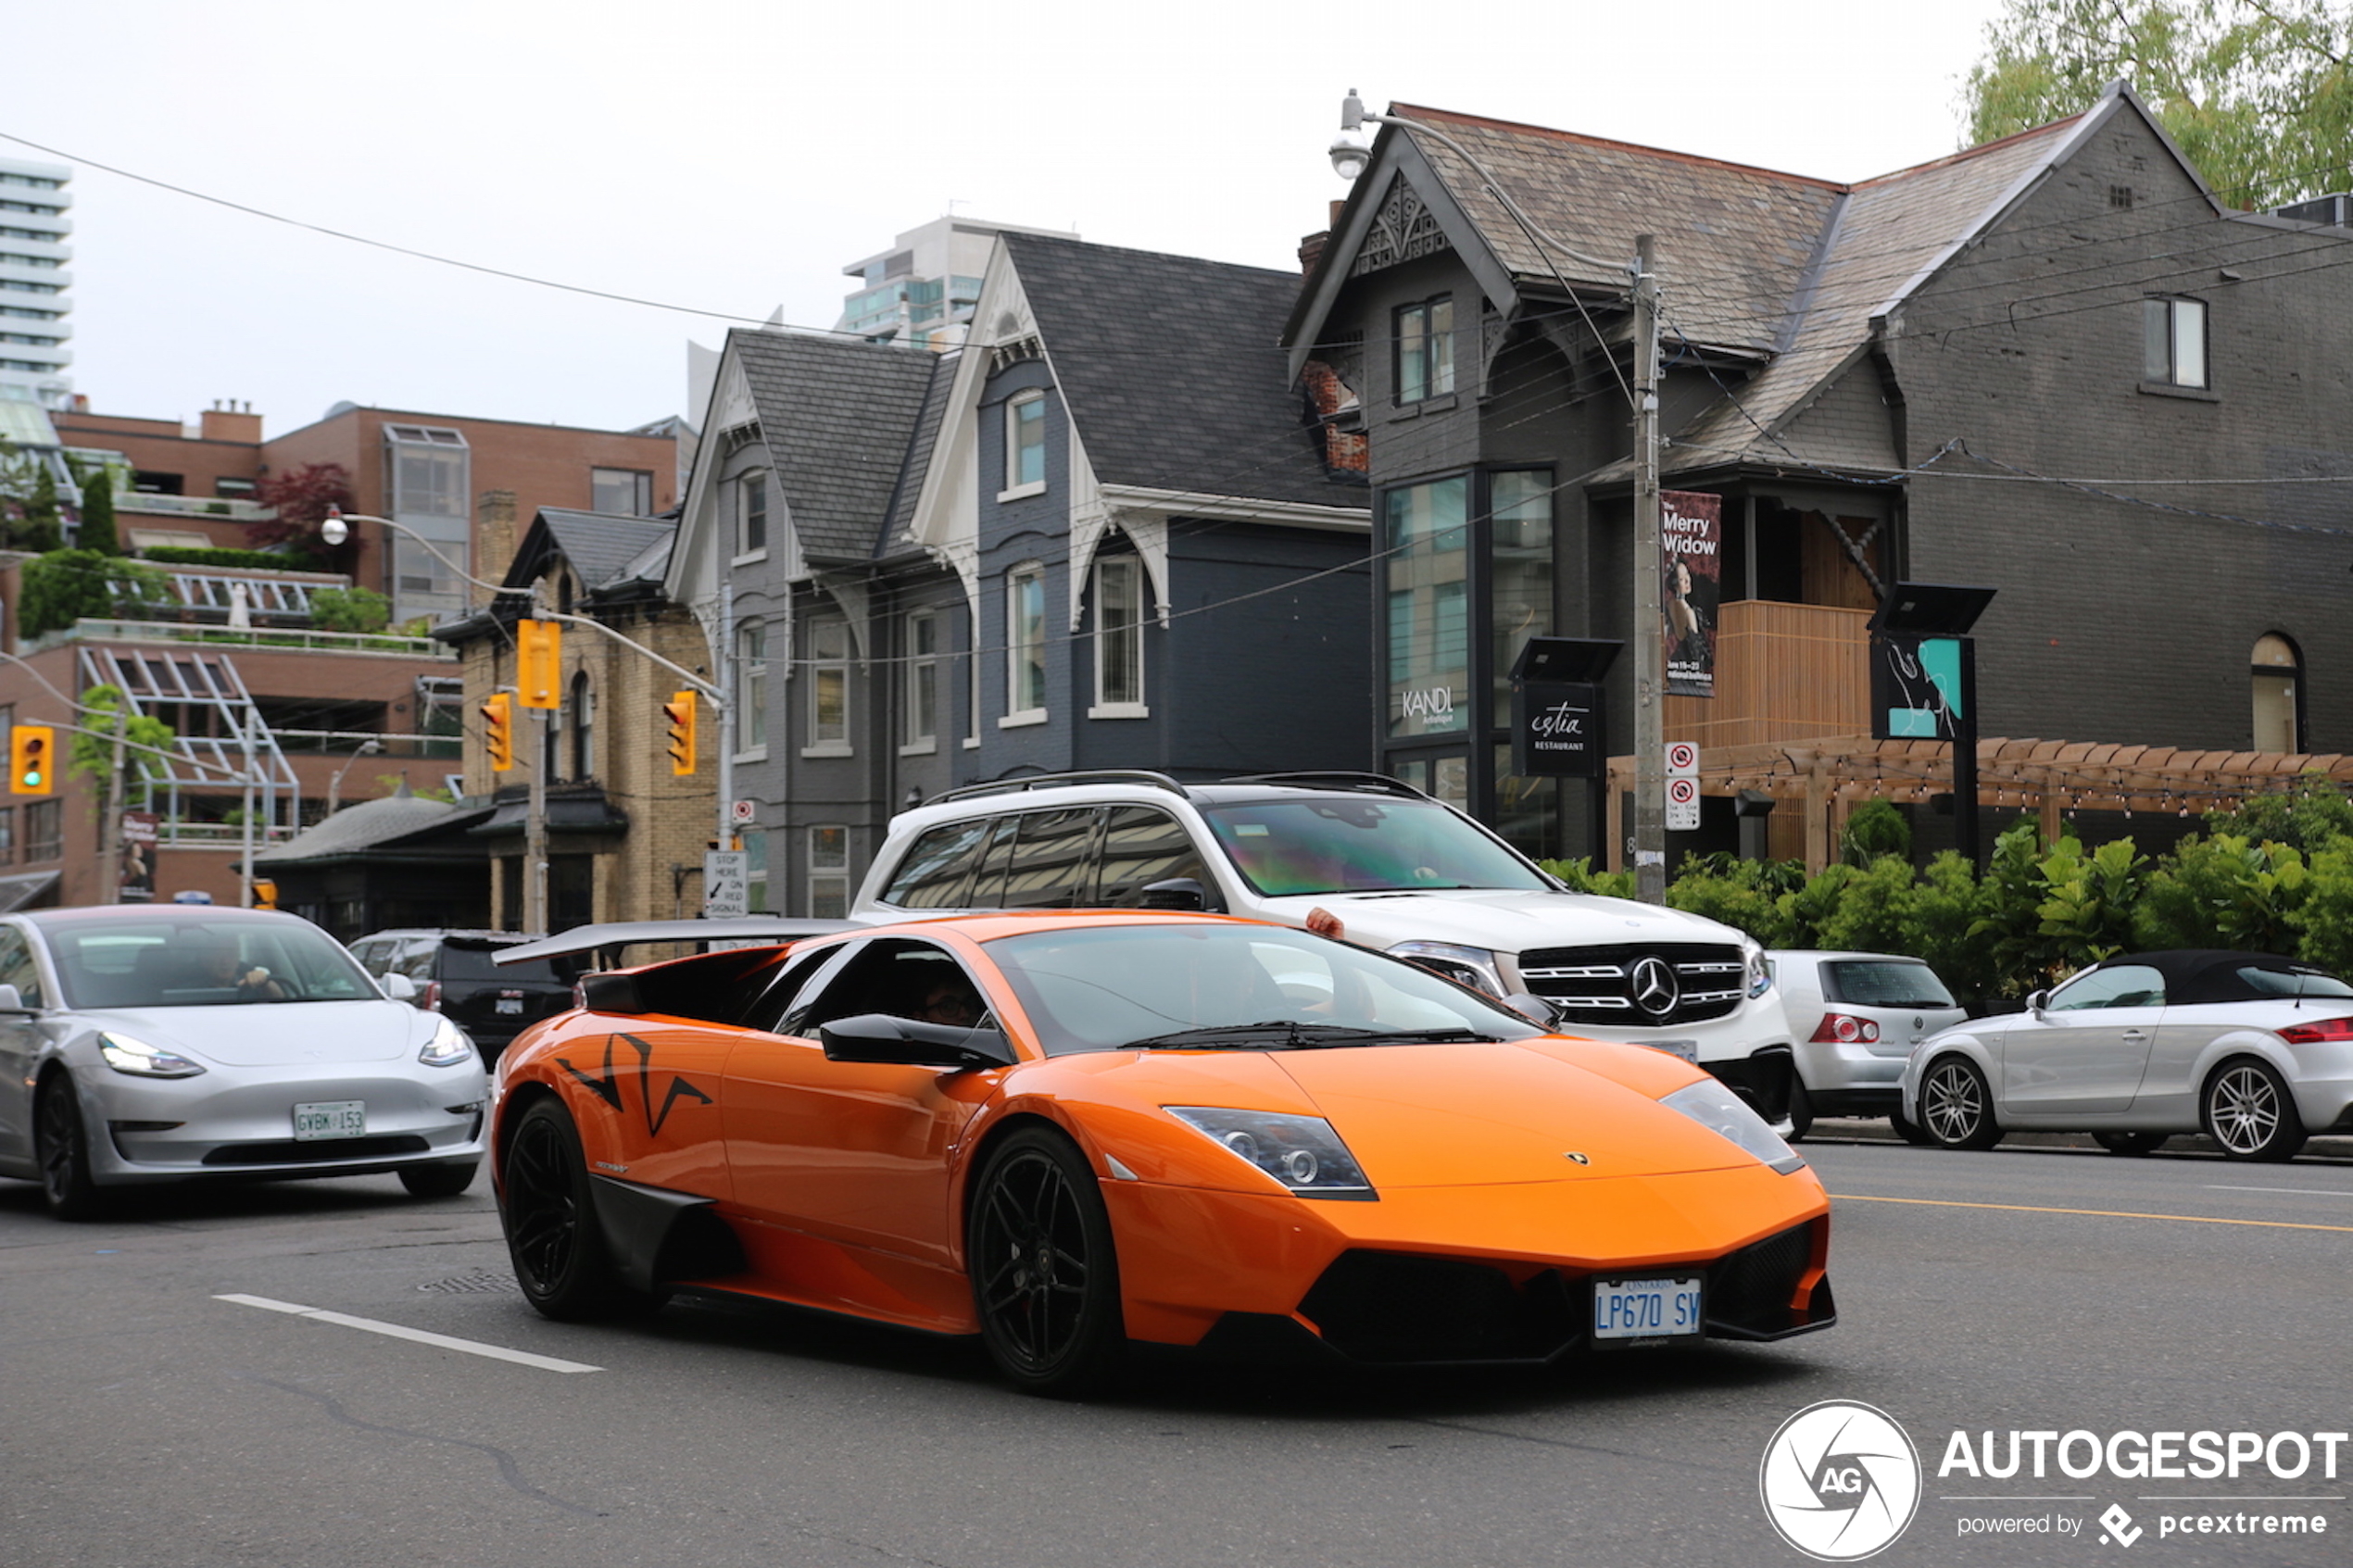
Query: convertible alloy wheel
{"type": "Point", "coordinates": [64, 1152]}
{"type": "Point", "coordinates": [1045, 1279]}
{"type": "Point", "coordinates": [2250, 1113]}
{"type": "Point", "coordinates": [558, 1253]}
{"type": "Point", "coordinates": [1957, 1110]}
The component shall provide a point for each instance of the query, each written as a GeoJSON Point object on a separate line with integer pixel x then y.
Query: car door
{"type": "Point", "coordinates": [2086, 1053]}
{"type": "Point", "coordinates": [854, 1152]}
{"type": "Point", "coordinates": [21, 1041]}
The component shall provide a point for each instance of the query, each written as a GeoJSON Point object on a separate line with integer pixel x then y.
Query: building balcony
{"type": "Point", "coordinates": [261, 638]}
{"type": "Point", "coordinates": [1784, 673]}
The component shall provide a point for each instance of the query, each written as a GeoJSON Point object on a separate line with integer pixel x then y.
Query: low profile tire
{"type": "Point", "coordinates": [1907, 1129]}
{"type": "Point", "coordinates": [1801, 1108]}
{"type": "Point", "coordinates": [2249, 1111]}
{"type": "Point", "coordinates": [2131, 1143]}
{"type": "Point", "coordinates": [63, 1148]}
{"type": "Point", "coordinates": [438, 1180]}
{"type": "Point", "coordinates": [559, 1252]}
{"type": "Point", "coordinates": [1957, 1109]}
{"type": "Point", "coordinates": [1044, 1273]}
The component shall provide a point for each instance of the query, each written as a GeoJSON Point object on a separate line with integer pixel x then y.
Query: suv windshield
{"type": "Point", "coordinates": [183, 961]}
{"type": "Point", "coordinates": [1351, 845]}
{"type": "Point", "coordinates": [1232, 987]}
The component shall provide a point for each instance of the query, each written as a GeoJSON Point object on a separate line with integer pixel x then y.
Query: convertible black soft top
{"type": "Point", "coordinates": [2209, 975]}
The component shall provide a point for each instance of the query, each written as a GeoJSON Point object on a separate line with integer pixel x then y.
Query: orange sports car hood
{"type": "Point", "coordinates": [1460, 1115]}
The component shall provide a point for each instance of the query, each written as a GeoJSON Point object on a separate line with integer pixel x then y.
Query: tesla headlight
{"type": "Point", "coordinates": [1760, 974]}
{"type": "Point", "coordinates": [144, 1060]}
{"type": "Point", "coordinates": [1474, 967]}
{"type": "Point", "coordinates": [1301, 1152]}
{"type": "Point", "coordinates": [449, 1046]}
{"type": "Point", "coordinates": [1716, 1108]}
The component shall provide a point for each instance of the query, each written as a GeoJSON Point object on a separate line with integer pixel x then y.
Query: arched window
{"type": "Point", "coordinates": [2279, 694]}
{"type": "Point", "coordinates": [584, 727]}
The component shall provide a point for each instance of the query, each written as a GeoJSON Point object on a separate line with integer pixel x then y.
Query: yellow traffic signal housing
{"type": "Point", "coordinates": [499, 729]}
{"type": "Point", "coordinates": [265, 893]}
{"type": "Point", "coordinates": [540, 675]}
{"type": "Point", "coordinates": [680, 712]}
{"type": "Point", "coordinates": [33, 759]}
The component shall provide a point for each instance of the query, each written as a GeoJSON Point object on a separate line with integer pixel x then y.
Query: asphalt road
{"type": "Point", "coordinates": [146, 1423]}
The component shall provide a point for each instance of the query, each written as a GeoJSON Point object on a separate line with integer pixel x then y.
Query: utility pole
{"type": "Point", "coordinates": [535, 833]}
{"type": "Point", "coordinates": [1650, 646]}
{"type": "Point", "coordinates": [719, 667]}
{"type": "Point", "coordinates": [110, 861]}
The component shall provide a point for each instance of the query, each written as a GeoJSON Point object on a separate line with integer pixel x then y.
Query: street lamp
{"type": "Point", "coordinates": [334, 786]}
{"type": "Point", "coordinates": [1350, 159]}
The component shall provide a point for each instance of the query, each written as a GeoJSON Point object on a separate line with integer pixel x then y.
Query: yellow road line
{"type": "Point", "coordinates": [2097, 1214]}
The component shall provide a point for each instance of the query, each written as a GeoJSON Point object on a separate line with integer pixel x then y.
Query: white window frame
{"type": "Point", "coordinates": [2185, 339]}
{"type": "Point", "coordinates": [1019, 582]}
{"type": "Point", "coordinates": [1126, 642]}
{"type": "Point", "coordinates": [1015, 407]}
{"type": "Point", "coordinates": [920, 681]}
{"type": "Point", "coordinates": [825, 666]}
{"type": "Point", "coordinates": [972, 679]}
{"type": "Point", "coordinates": [744, 487]}
{"type": "Point", "coordinates": [751, 692]}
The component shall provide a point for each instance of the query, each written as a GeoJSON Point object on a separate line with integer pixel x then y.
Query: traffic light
{"type": "Point", "coordinates": [539, 676]}
{"type": "Point", "coordinates": [32, 760]}
{"type": "Point", "coordinates": [499, 729]}
{"type": "Point", "coordinates": [265, 893]}
{"type": "Point", "coordinates": [680, 712]}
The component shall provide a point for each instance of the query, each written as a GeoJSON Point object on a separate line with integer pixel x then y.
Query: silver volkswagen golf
{"type": "Point", "coordinates": [141, 1043]}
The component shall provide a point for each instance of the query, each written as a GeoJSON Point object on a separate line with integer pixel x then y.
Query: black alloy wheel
{"type": "Point", "coordinates": [2249, 1111]}
{"type": "Point", "coordinates": [2131, 1143]}
{"type": "Point", "coordinates": [1045, 1278]}
{"type": "Point", "coordinates": [438, 1180]}
{"type": "Point", "coordinates": [63, 1149]}
{"type": "Point", "coordinates": [560, 1256]}
{"type": "Point", "coordinates": [1957, 1109]}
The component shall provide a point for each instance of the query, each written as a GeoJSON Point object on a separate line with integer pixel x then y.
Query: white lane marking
{"type": "Point", "coordinates": [395, 1330]}
{"type": "Point", "coordinates": [2301, 1192]}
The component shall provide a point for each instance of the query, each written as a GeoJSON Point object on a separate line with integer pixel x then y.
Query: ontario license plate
{"type": "Point", "coordinates": [1682, 1050]}
{"type": "Point", "coordinates": [1646, 1308]}
{"type": "Point", "coordinates": [330, 1119]}
{"type": "Point", "coordinates": [507, 1004]}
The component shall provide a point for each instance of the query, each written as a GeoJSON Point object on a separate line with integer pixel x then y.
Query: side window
{"type": "Point", "coordinates": [1049, 863]}
{"type": "Point", "coordinates": [417, 960]}
{"type": "Point", "coordinates": [17, 967]}
{"type": "Point", "coordinates": [939, 867]}
{"type": "Point", "coordinates": [897, 976]}
{"type": "Point", "coordinates": [1141, 845]}
{"type": "Point", "coordinates": [2126, 985]}
{"type": "Point", "coordinates": [992, 861]}
{"type": "Point", "coordinates": [768, 1011]}
{"type": "Point", "coordinates": [369, 956]}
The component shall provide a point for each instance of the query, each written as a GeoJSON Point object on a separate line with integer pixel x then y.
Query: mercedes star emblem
{"type": "Point", "coordinates": [1655, 988]}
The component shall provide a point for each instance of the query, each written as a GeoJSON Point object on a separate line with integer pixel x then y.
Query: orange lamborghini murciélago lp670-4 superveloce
{"type": "Point", "coordinates": [1065, 1132]}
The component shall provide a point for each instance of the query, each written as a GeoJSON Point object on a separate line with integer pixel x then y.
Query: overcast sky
{"type": "Point", "coordinates": [731, 156]}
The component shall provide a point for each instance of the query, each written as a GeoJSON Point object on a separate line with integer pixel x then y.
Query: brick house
{"type": "Point", "coordinates": [1103, 534]}
{"type": "Point", "coordinates": [2058, 365]}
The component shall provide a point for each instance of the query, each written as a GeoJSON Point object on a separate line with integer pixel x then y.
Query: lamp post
{"type": "Point", "coordinates": [336, 528]}
{"type": "Point", "coordinates": [334, 785]}
{"type": "Point", "coordinates": [1350, 159]}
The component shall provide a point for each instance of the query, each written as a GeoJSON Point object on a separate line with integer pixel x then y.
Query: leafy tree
{"type": "Point", "coordinates": [2310, 814]}
{"type": "Point", "coordinates": [62, 586]}
{"type": "Point", "coordinates": [300, 496]}
{"type": "Point", "coordinates": [349, 610]}
{"type": "Point", "coordinates": [98, 531]}
{"type": "Point", "coordinates": [2257, 92]}
{"type": "Point", "coordinates": [93, 755]}
{"type": "Point", "coordinates": [1873, 829]}
{"type": "Point", "coordinates": [2086, 913]}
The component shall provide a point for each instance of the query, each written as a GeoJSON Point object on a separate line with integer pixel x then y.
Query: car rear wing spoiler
{"type": "Point", "coordinates": [610, 938]}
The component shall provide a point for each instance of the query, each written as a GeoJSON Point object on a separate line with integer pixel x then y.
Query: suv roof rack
{"type": "Point", "coordinates": [1043, 781]}
{"type": "Point", "coordinates": [1366, 783]}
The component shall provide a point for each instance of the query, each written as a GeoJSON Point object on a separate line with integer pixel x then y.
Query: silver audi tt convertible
{"type": "Point", "coordinates": [141, 1043]}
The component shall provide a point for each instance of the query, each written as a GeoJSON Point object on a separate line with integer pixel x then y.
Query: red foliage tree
{"type": "Point", "coordinates": [300, 496]}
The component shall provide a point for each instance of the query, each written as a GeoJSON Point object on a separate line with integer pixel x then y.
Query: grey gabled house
{"type": "Point", "coordinates": [1105, 534]}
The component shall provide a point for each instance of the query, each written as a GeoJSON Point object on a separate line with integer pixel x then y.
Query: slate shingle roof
{"type": "Point", "coordinates": [1172, 370]}
{"type": "Point", "coordinates": [929, 420]}
{"type": "Point", "coordinates": [602, 546]}
{"type": "Point", "coordinates": [836, 417]}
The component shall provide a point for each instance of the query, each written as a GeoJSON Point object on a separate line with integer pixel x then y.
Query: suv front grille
{"type": "Point", "coordinates": [1598, 985]}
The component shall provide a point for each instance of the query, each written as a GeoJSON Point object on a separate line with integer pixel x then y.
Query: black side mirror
{"type": "Point", "coordinates": [610, 993]}
{"type": "Point", "coordinates": [1544, 1015]}
{"type": "Point", "coordinates": [911, 1042]}
{"type": "Point", "coordinates": [1181, 893]}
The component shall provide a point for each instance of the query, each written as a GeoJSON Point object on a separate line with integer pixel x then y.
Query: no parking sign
{"type": "Point", "coordinates": [1682, 787]}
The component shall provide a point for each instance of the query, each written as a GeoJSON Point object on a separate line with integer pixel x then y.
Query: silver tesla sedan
{"type": "Point", "coordinates": [142, 1044]}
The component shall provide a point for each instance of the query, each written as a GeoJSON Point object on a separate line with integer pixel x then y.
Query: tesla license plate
{"type": "Point", "coordinates": [1645, 1309]}
{"type": "Point", "coordinates": [330, 1119]}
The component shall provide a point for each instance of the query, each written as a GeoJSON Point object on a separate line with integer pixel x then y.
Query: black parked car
{"type": "Point", "coordinates": [454, 977]}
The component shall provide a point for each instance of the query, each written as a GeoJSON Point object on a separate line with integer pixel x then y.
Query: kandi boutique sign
{"type": "Point", "coordinates": [1690, 544]}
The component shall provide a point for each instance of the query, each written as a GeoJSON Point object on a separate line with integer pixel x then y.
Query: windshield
{"type": "Point", "coordinates": [1349, 844]}
{"type": "Point", "coordinates": [171, 962]}
{"type": "Point", "coordinates": [1232, 987]}
{"type": "Point", "coordinates": [1875, 982]}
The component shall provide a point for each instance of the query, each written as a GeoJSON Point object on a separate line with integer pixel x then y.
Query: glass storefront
{"type": "Point", "coordinates": [1426, 540]}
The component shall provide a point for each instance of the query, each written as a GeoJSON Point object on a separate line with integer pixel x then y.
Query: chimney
{"type": "Point", "coordinates": [1311, 249]}
{"type": "Point", "coordinates": [226, 422]}
{"type": "Point", "coordinates": [495, 540]}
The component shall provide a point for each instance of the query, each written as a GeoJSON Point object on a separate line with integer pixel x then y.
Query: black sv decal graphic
{"type": "Point", "coordinates": [607, 1085]}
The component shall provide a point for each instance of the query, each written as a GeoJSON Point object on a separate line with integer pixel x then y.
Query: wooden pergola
{"type": "Point", "coordinates": [1827, 777]}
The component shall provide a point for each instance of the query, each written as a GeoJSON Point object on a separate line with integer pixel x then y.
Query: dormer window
{"type": "Point", "coordinates": [1426, 350]}
{"type": "Point", "coordinates": [1025, 446]}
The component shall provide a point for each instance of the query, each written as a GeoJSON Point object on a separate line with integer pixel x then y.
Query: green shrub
{"type": "Point", "coordinates": [1580, 877]}
{"type": "Point", "coordinates": [63, 587]}
{"type": "Point", "coordinates": [249, 561]}
{"type": "Point", "coordinates": [1873, 911]}
{"type": "Point", "coordinates": [349, 610]}
{"type": "Point", "coordinates": [2224, 892]}
{"type": "Point", "coordinates": [1874, 829]}
{"type": "Point", "coordinates": [1739, 893]}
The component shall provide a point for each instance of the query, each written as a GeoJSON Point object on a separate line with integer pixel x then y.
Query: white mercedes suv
{"type": "Point", "coordinates": [1358, 856]}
